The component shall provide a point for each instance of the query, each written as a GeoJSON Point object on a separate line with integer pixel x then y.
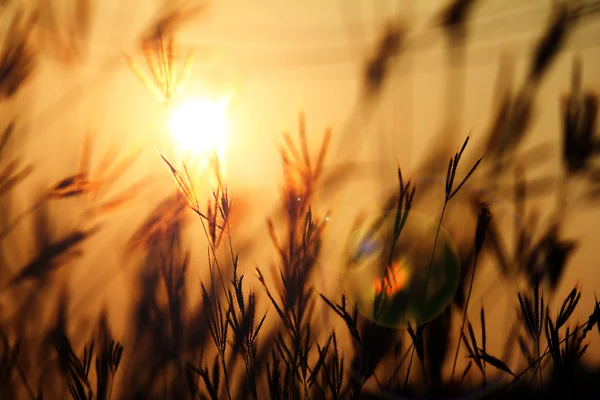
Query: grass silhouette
{"type": "Point", "coordinates": [234, 340]}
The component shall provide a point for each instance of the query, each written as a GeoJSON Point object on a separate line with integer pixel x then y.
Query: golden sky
{"type": "Point", "coordinates": [278, 56]}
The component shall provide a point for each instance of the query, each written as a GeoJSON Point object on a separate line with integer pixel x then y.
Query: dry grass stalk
{"type": "Point", "coordinates": [17, 58]}
{"type": "Point", "coordinates": [158, 46]}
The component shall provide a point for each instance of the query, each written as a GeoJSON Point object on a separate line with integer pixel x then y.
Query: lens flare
{"type": "Point", "coordinates": [199, 127]}
{"type": "Point", "coordinates": [393, 288]}
{"type": "Point", "coordinates": [364, 245]}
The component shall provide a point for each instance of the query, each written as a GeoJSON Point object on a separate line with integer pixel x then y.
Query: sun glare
{"type": "Point", "coordinates": [199, 127]}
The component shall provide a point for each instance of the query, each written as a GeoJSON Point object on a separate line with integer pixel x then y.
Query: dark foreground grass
{"type": "Point", "coordinates": [238, 340]}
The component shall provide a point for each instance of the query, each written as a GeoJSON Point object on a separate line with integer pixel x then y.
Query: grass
{"type": "Point", "coordinates": [235, 340]}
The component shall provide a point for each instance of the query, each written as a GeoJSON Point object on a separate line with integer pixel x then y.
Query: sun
{"type": "Point", "coordinates": [199, 127]}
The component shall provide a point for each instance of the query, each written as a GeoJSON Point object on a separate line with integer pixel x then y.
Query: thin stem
{"type": "Point", "coordinates": [224, 290]}
{"type": "Point", "coordinates": [464, 317]}
{"type": "Point", "coordinates": [437, 233]}
{"type": "Point", "coordinates": [305, 383]}
{"type": "Point", "coordinates": [212, 249]}
{"type": "Point", "coordinates": [540, 364]}
{"type": "Point", "coordinates": [537, 367]}
{"type": "Point", "coordinates": [225, 374]}
{"type": "Point", "coordinates": [395, 375]}
{"type": "Point", "coordinates": [250, 373]}
{"type": "Point", "coordinates": [412, 353]}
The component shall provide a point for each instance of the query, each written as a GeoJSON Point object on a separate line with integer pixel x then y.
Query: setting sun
{"type": "Point", "coordinates": [199, 126]}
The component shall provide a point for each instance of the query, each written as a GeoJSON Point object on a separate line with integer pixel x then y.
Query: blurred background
{"type": "Point", "coordinates": [272, 59]}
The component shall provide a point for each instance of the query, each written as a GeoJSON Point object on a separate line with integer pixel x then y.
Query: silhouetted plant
{"type": "Point", "coordinates": [224, 344]}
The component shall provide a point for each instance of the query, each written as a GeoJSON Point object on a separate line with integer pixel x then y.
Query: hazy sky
{"type": "Point", "coordinates": [279, 55]}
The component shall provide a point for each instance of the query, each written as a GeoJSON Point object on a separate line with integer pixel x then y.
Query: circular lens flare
{"type": "Point", "coordinates": [408, 282]}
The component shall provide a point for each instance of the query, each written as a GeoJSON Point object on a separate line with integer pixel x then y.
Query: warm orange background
{"type": "Point", "coordinates": [277, 56]}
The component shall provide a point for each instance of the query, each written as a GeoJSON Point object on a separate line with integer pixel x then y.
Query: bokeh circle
{"type": "Point", "coordinates": [409, 280]}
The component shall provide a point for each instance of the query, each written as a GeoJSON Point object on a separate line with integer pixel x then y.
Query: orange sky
{"type": "Point", "coordinates": [280, 55]}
